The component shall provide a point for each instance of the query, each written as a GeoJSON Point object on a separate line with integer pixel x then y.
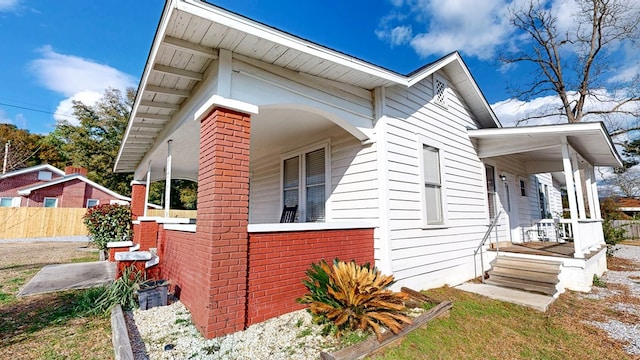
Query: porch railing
{"type": "Point", "coordinates": [487, 235]}
{"type": "Point", "coordinates": [588, 236]}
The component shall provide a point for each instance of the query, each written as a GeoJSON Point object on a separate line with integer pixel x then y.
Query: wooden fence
{"type": "Point", "coordinates": [631, 228]}
{"type": "Point", "coordinates": [32, 222]}
{"type": "Point", "coordinates": [190, 214]}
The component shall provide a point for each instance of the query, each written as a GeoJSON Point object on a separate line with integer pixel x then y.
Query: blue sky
{"type": "Point", "coordinates": [55, 51]}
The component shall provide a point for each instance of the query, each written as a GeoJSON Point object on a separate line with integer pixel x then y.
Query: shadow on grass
{"type": "Point", "coordinates": [34, 313]}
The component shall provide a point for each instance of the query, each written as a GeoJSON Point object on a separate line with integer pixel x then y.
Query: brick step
{"type": "Point", "coordinates": [526, 285]}
{"type": "Point", "coordinates": [548, 278]}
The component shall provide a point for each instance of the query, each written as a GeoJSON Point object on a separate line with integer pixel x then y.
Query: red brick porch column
{"type": "Point", "coordinates": [138, 195]}
{"type": "Point", "coordinates": [218, 306]}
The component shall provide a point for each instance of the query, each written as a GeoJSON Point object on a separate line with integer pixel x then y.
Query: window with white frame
{"type": "Point", "coordinates": [6, 202]}
{"type": "Point", "coordinates": [305, 176]}
{"type": "Point", "coordinates": [50, 202]}
{"type": "Point", "coordinates": [440, 91]}
{"type": "Point", "coordinates": [92, 202]}
{"type": "Point", "coordinates": [490, 175]}
{"type": "Point", "coordinates": [433, 189]}
{"type": "Point", "coordinates": [44, 175]}
{"type": "Point", "coordinates": [543, 199]}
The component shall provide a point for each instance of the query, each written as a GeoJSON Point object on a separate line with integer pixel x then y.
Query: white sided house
{"type": "Point", "coordinates": [407, 171]}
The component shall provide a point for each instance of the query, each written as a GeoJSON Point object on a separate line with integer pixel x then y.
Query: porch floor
{"type": "Point", "coordinates": [540, 248]}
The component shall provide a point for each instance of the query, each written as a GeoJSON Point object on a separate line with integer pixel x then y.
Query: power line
{"type": "Point", "coordinates": [36, 110]}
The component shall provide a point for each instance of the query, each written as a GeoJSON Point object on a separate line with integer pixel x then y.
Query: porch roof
{"type": "Point", "coordinates": [187, 43]}
{"type": "Point", "coordinates": [540, 145]}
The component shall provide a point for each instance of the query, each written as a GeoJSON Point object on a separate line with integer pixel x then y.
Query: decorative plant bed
{"type": "Point", "coordinates": [372, 345]}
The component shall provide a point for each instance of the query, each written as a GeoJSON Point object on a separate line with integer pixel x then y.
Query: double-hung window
{"type": "Point", "coordinates": [304, 183]}
{"type": "Point", "coordinates": [490, 175]}
{"type": "Point", "coordinates": [433, 189]}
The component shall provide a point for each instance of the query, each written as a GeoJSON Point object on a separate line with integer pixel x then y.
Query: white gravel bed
{"type": "Point", "coordinates": [616, 329]}
{"type": "Point", "coordinates": [168, 333]}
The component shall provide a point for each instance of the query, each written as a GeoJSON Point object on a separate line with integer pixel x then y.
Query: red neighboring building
{"type": "Point", "coordinates": [48, 186]}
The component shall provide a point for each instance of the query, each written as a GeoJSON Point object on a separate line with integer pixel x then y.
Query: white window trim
{"type": "Point", "coordinates": [7, 197]}
{"type": "Point", "coordinates": [96, 200]}
{"type": "Point", "coordinates": [484, 187]}
{"type": "Point", "coordinates": [49, 198]}
{"type": "Point", "coordinates": [302, 189]}
{"type": "Point", "coordinates": [422, 141]}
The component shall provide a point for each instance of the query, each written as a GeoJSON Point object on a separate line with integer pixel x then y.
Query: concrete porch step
{"type": "Point", "coordinates": [534, 301]}
{"type": "Point", "coordinates": [542, 277]}
{"type": "Point", "coordinates": [532, 275]}
{"type": "Point", "coordinates": [526, 285]}
{"type": "Point", "coordinates": [538, 266]}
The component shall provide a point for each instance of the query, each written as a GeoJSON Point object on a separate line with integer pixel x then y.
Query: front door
{"type": "Point", "coordinates": [510, 205]}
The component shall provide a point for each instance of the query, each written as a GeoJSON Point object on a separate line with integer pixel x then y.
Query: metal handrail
{"type": "Point", "coordinates": [493, 224]}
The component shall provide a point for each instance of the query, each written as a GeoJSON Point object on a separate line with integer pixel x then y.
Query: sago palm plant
{"type": "Point", "coordinates": [354, 297]}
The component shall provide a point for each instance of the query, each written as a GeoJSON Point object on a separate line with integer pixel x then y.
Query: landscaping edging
{"type": "Point", "coordinates": [370, 346]}
{"type": "Point", "coordinates": [120, 335]}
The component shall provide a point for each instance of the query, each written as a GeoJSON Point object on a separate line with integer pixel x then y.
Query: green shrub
{"type": "Point", "coordinates": [354, 297]}
{"type": "Point", "coordinates": [108, 223]}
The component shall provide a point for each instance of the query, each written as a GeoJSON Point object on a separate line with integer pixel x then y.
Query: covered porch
{"type": "Point", "coordinates": [570, 152]}
{"type": "Point", "coordinates": [544, 248]}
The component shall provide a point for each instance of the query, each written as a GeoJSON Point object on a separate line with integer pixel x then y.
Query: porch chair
{"type": "Point", "coordinates": [289, 214]}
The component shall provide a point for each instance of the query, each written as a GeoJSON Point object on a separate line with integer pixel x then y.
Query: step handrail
{"type": "Point", "coordinates": [487, 234]}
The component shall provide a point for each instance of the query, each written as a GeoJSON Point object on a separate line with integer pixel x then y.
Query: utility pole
{"type": "Point", "coordinates": [6, 156]}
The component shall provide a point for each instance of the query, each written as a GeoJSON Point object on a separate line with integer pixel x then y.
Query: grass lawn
{"type": "Point", "coordinates": [481, 328]}
{"type": "Point", "coordinates": [47, 326]}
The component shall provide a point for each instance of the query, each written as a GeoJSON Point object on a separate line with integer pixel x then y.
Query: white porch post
{"type": "Point", "coordinates": [596, 197]}
{"type": "Point", "coordinates": [582, 213]}
{"type": "Point", "coordinates": [167, 185]}
{"type": "Point", "coordinates": [571, 194]}
{"type": "Point", "coordinates": [588, 181]}
{"type": "Point", "coordinates": [146, 191]}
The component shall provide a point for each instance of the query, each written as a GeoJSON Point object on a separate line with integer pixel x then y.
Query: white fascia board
{"type": "Point", "coordinates": [169, 7]}
{"type": "Point", "coordinates": [560, 129]}
{"type": "Point", "coordinates": [30, 189]}
{"type": "Point", "coordinates": [223, 17]}
{"type": "Point", "coordinates": [32, 169]}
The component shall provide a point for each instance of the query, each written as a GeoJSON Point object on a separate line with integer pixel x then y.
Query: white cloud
{"type": "Point", "coordinates": [473, 27]}
{"type": "Point", "coordinates": [9, 5]}
{"type": "Point", "coordinates": [77, 79]}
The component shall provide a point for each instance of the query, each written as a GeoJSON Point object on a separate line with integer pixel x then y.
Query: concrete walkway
{"type": "Point", "coordinates": [62, 277]}
{"type": "Point", "coordinates": [535, 301]}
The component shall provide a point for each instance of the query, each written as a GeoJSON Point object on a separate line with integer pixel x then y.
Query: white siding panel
{"type": "Point", "coordinates": [420, 253]}
{"type": "Point", "coordinates": [353, 194]}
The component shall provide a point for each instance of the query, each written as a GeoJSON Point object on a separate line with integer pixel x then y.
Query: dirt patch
{"type": "Point", "coordinates": [620, 264]}
{"type": "Point", "coordinates": [46, 326]}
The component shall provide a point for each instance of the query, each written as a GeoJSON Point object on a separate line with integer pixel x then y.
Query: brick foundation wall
{"type": "Point", "coordinates": [179, 263]}
{"type": "Point", "coordinates": [146, 234]}
{"type": "Point", "coordinates": [278, 261]}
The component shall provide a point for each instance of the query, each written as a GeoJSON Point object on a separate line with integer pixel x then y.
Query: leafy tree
{"type": "Point", "coordinates": [95, 141]}
{"type": "Point", "coordinates": [184, 194]}
{"type": "Point", "coordinates": [576, 61]}
{"type": "Point", "coordinates": [26, 149]}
